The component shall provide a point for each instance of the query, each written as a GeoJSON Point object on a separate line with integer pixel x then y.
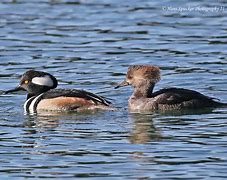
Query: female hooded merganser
{"type": "Point", "coordinates": [143, 79]}
{"type": "Point", "coordinates": [42, 95]}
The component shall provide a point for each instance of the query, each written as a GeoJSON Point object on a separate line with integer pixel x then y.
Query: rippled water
{"type": "Point", "coordinates": [89, 44]}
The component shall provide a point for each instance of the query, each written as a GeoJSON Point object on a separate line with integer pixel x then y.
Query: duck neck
{"type": "Point", "coordinates": [144, 90]}
{"type": "Point", "coordinates": [30, 95]}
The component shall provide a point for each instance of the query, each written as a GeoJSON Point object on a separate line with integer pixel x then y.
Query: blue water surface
{"type": "Point", "coordinates": [89, 44]}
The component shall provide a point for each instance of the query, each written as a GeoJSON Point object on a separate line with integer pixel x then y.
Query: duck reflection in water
{"type": "Point", "coordinates": [144, 131]}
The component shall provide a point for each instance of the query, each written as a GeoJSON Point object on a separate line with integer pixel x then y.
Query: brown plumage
{"type": "Point", "coordinates": [144, 72]}
{"type": "Point", "coordinates": [143, 79]}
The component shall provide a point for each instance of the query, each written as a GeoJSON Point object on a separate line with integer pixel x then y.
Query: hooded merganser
{"type": "Point", "coordinates": [42, 95]}
{"type": "Point", "coordinates": [143, 79]}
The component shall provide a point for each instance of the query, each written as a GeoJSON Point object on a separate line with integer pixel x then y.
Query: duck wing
{"type": "Point", "coordinates": [171, 96]}
{"type": "Point", "coordinates": [53, 93]}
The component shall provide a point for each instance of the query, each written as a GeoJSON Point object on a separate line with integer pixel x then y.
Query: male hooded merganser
{"type": "Point", "coordinates": [42, 95]}
{"type": "Point", "coordinates": [143, 79]}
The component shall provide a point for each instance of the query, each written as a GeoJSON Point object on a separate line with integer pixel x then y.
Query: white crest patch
{"type": "Point", "coordinates": [43, 81]}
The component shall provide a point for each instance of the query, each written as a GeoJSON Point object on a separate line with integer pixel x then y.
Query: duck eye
{"type": "Point", "coordinates": [129, 77]}
{"type": "Point", "coordinates": [26, 82]}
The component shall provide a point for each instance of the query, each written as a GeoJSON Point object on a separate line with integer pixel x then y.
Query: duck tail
{"type": "Point", "coordinates": [220, 104]}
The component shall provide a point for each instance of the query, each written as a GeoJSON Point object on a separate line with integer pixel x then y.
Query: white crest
{"type": "Point", "coordinates": [43, 81]}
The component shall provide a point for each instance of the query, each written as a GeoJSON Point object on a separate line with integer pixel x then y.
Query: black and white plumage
{"type": "Point", "coordinates": [42, 95]}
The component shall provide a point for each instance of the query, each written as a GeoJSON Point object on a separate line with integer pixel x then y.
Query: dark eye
{"type": "Point", "coordinates": [129, 77]}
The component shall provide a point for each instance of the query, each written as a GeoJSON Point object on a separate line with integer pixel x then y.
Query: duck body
{"type": "Point", "coordinates": [42, 95]}
{"type": "Point", "coordinates": [143, 79]}
{"type": "Point", "coordinates": [172, 99]}
{"type": "Point", "coordinates": [65, 100]}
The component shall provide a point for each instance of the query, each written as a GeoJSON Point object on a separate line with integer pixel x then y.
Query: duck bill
{"type": "Point", "coordinates": [18, 88]}
{"type": "Point", "coordinates": [124, 83]}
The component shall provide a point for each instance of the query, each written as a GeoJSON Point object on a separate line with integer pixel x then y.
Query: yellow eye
{"type": "Point", "coordinates": [26, 82]}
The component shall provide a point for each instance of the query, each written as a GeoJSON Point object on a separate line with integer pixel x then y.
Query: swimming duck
{"type": "Point", "coordinates": [143, 79]}
{"type": "Point", "coordinates": [42, 95]}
